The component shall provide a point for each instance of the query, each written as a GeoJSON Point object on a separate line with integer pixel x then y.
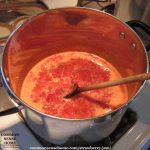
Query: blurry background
{"type": "Point", "coordinates": [14, 12]}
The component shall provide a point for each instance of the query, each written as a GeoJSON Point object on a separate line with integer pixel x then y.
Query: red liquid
{"type": "Point", "coordinates": [48, 82]}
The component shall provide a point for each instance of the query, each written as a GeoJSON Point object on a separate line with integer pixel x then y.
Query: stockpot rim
{"type": "Point", "coordinates": [17, 100]}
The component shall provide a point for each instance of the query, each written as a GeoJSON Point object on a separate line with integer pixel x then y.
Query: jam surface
{"type": "Point", "coordinates": [49, 81]}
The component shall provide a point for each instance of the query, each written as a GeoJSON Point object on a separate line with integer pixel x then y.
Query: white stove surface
{"type": "Point", "coordinates": [138, 137]}
{"type": "Point", "coordinates": [14, 124]}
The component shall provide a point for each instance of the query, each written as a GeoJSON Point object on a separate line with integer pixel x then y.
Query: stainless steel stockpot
{"type": "Point", "coordinates": [72, 29]}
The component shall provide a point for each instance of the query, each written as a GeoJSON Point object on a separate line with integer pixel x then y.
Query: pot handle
{"type": "Point", "coordinates": [135, 25]}
{"type": "Point", "coordinates": [1, 85]}
{"type": "Point", "coordinates": [11, 110]}
{"type": "Point", "coordinates": [1, 49]}
{"type": "Point", "coordinates": [16, 107]}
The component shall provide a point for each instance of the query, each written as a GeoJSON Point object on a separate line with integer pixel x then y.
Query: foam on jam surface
{"type": "Point", "coordinates": [48, 82]}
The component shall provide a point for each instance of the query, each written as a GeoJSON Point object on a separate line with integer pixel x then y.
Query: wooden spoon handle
{"type": "Point", "coordinates": [140, 77]}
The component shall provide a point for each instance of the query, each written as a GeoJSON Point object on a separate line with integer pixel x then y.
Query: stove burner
{"type": "Point", "coordinates": [83, 3]}
{"type": "Point", "coordinates": [103, 5]}
{"type": "Point", "coordinates": [128, 120]}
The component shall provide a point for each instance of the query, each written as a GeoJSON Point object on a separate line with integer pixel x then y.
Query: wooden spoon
{"type": "Point", "coordinates": [76, 89]}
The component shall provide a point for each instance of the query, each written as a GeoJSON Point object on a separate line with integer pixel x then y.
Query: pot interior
{"type": "Point", "coordinates": [73, 29]}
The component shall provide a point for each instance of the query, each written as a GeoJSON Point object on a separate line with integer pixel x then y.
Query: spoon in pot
{"type": "Point", "coordinates": [76, 89]}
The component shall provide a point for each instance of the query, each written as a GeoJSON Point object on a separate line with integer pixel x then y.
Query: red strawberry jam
{"type": "Point", "coordinates": [48, 82]}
